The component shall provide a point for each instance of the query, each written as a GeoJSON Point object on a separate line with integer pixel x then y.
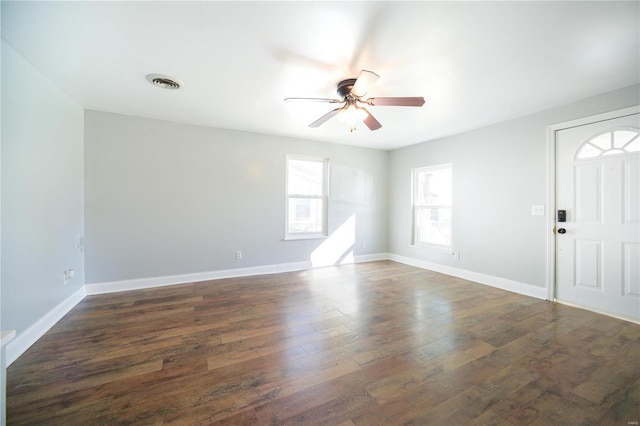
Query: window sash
{"type": "Point", "coordinates": [430, 229]}
{"type": "Point", "coordinates": [311, 221]}
{"type": "Point", "coordinates": [306, 182]}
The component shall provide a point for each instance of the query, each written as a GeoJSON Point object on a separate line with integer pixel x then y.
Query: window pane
{"type": "Point", "coordinates": [622, 137]}
{"type": "Point", "coordinates": [633, 146]}
{"type": "Point", "coordinates": [434, 226]}
{"type": "Point", "coordinates": [305, 177]}
{"type": "Point", "coordinates": [305, 215]}
{"type": "Point", "coordinates": [434, 187]}
{"type": "Point", "coordinates": [589, 151]}
{"type": "Point", "coordinates": [602, 141]}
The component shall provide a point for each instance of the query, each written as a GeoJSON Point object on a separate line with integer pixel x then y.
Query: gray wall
{"type": "Point", "coordinates": [499, 171]}
{"type": "Point", "coordinates": [166, 199]}
{"type": "Point", "coordinates": [42, 193]}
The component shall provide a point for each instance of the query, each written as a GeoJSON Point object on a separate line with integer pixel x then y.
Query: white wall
{"type": "Point", "coordinates": [168, 199]}
{"type": "Point", "coordinates": [500, 171]}
{"type": "Point", "coordinates": [42, 193]}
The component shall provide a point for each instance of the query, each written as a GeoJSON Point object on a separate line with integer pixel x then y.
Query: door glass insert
{"type": "Point", "coordinates": [614, 142]}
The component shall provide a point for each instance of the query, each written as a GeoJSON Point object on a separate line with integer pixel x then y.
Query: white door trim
{"type": "Point", "coordinates": [551, 183]}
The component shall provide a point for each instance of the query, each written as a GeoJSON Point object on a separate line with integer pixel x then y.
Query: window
{"type": "Point", "coordinates": [306, 197]}
{"type": "Point", "coordinates": [432, 206]}
{"type": "Point", "coordinates": [620, 141]}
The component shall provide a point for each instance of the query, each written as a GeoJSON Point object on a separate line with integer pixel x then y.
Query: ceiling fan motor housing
{"type": "Point", "coordinates": [345, 87]}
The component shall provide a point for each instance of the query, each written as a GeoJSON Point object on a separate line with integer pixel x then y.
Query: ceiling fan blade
{"type": "Point", "coordinates": [325, 117]}
{"type": "Point", "coordinates": [365, 80]}
{"type": "Point", "coordinates": [331, 101]}
{"type": "Point", "coordinates": [370, 121]}
{"type": "Point", "coordinates": [397, 101]}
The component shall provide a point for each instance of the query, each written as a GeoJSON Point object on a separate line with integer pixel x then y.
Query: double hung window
{"type": "Point", "coordinates": [432, 206]}
{"type": "Point", "coordinates": [307, 198]}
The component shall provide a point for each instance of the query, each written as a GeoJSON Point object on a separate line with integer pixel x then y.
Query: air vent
{"type": "Point", "coordinates": [164, 82]}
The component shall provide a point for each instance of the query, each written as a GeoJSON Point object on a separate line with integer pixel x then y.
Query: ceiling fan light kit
{"type": "Point", "coordinates": [352, 92]}
{"type": "Point", "coordinates": [352, 115]}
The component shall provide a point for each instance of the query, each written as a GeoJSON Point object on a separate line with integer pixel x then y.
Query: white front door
{"type": "Point", "coordinates": [598, 247]}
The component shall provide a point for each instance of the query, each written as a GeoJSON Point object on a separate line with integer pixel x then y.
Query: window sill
{"type": "Point", "coordinates": [305, 237]}
{"type": "Point", "coordinates": [441, 249]}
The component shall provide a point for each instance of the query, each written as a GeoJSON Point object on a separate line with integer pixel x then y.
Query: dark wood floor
{"type": "Point", "coordinates": [374, 343]}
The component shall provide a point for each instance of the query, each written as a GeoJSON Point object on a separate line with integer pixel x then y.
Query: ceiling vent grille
{"type": "Point", "coordinates": [164, 82]}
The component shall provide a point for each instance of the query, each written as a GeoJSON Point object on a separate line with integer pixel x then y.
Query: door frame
{"type": "Point", "coordinates": [552, 132]}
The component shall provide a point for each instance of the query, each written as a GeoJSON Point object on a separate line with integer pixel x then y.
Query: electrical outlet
{"type": "Point", "coordinates": [238, 254]}
{"type": "Point", "coordinates": [456, 255]}
{"type": "Point", "coordinates": [68, 274]}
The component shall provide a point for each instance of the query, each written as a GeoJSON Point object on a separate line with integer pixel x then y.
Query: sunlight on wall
{"type": "Point", "coordinates": [338, 248]}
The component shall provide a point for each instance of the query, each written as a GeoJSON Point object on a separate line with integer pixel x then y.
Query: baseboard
{"type": "Point", "coordinates": [490, 280]}
{"type": "Point", "coordinates": [142, 283]}
{"type": "Point", "coordinates": [24, 340]}
{"type": "Point", "coordinates": [371, 257]}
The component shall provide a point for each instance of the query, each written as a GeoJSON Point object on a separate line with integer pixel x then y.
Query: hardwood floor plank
{"type": "Point", "coordinates": [555, 410]}
{"type": "Point", "coordinates": [366, 344]}
{"type": "Point", "coordinates": [293, 404]}
{"type": "Point", "coordinates": [337, 410]}
{"type": "Point", "coordinates": [489, 418]}
{"type": "Point", "coordinates": [624, 410]}
{"type": "Point", "coordinates": [517, 408]}
{"type": "Point", "coordinates": [608, 378]}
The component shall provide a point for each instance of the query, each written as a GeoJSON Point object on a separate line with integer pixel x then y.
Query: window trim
{"type": "Point", "coordinates": [415, 208]}
{"type": "Point", "coordinates": [324, 197]}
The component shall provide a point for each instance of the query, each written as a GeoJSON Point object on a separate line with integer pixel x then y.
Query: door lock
{"type": "Point", "coordinates": [562, 231]}
{"type": "Point", "coordinates": [562, 215]}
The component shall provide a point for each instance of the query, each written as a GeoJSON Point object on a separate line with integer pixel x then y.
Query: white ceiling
{"type": "Point", "coordinates": [476, 63]}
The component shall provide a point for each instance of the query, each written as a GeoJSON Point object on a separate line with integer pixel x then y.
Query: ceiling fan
{"type": "Point", "coordinates": [352, 92]}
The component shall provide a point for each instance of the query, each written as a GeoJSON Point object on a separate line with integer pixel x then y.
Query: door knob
{"type": "Point", "coordinates": [562, 231]}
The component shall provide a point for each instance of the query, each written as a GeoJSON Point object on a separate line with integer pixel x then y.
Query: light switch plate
{"type": "Point", "coordinates": [537, 210]}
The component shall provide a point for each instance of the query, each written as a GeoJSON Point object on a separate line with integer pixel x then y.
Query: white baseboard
{"type": "Point", "coordinates": [490, 280]}
{"type": "Point", "coordinates": [371, 257]}
{"type": "Point", "coordinates": [24, 340]}
{"type": "Point", "coordinates": [141, 283]}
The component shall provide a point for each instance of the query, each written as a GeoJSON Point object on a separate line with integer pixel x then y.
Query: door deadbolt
{"type": "Point", "coordinates": [562, 231]}
{"type": "Point", "coordinates": [562, 215]}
